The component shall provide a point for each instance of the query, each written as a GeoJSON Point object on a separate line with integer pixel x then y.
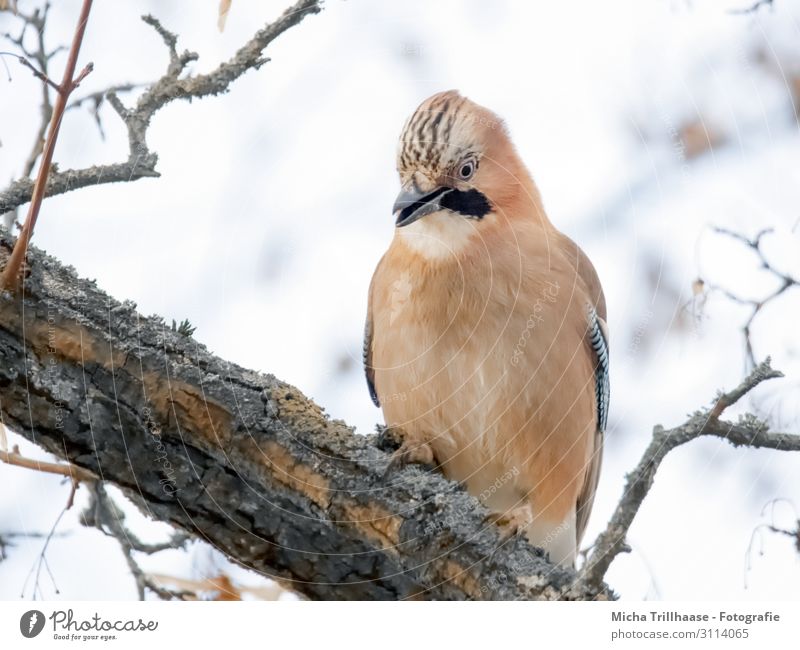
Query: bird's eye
{"type": "Point", "coordinates": [466, 170]}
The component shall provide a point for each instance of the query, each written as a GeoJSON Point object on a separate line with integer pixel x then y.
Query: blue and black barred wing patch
{"type": "Point", "coordinates": [598, 339]}
{"type": "Point", "coordinates": [366, 355]}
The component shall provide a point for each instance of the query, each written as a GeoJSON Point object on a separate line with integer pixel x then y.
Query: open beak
{"type": "Point", "coordinates": [412, 204]}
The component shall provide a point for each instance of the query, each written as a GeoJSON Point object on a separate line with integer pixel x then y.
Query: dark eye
{"type": "Point", "coordinates": [466, 170]}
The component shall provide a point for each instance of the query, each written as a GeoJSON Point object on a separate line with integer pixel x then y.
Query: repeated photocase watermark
{"type": "Point", "coordinates": [677, 143]}
{"type": "Point", "coordinates": [392, 397]}
{"type": "Point", "coordinates": [554, 533]}
{"type": "Point", "coordinates": [52, 369]}
{"type": "Point", "coordinates": [639, 332]}
{"type": "Point", "coordinates": [52, 360]}
{"type": "Point", "coordinates": [167, 481]}
{"type": "Point", "coordinates": [518, 567]}
{"type": "Point", "coordinates": [499, 482]}
{"type": "Point", "coordinates": [401, 293]}
{"type": "Point", "coordinates": [456, 515]}
{"type": "Point", "coordinates": [412, 50]}
{"type": "Point", "coordinates": [468, 120]}
{"type": "Point", "coordinates": [483, 120]}
{"type": "Point", "coordinates": [548, 295]}
{"type": "Point", "coordinates": [52, 356]}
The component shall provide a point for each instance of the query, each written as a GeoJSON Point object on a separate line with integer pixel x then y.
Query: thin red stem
{"type": "Point", "coordinates": [11, 273]}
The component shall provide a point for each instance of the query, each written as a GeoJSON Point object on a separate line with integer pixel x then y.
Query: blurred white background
{"type": "Point", "coordinates": [274, 207]}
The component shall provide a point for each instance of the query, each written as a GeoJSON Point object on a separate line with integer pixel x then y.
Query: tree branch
{"type": "Point", "coordinates": [105, 515]}
{"type": "Point", "coordinates": [785, 282]}
{"type": "Point", "coordinates": [13, 457]}
{"type": "Point", "coordinates": [97, 98]}
{"type": "Point", "coordinates": [747, 432]}
{"type": "Point", "coordinates": [11, 272]}
{"type": "Point", "coordinates": [141, 162]}
{"type": "Point", "coordinates": [38, 22]}
{"type": "Point", "coordinates": [243, 460]}
{"type": "Point", "coordinates": [753, 8]}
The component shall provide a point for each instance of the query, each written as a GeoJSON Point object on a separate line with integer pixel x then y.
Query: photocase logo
{"type": "Point", "coordinates": [31, 623]}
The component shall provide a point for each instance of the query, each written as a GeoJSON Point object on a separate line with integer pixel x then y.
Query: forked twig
{"type": "Point", "coordinates": [748, 431]}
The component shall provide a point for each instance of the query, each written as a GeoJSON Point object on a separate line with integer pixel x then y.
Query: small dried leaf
{"type": "Point", "coordinates": [697, 137]}
{"type": "Point", "coordinates": [224, 588]}
{"type": "Point", "coordinates": [697, 287]}
{"type": "Point", "coordinates": [224, 8]}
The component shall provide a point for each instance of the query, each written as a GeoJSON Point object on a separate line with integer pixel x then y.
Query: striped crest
{"type": "Point", "coordinates": [443, 129]}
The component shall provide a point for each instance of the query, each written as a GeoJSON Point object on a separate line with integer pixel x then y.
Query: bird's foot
{"type": "Point", "coordinates": [512, 523]}
{"type": "Point", "coordinates": [411, 451]}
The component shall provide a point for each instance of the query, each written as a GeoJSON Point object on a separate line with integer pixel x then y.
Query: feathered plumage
{"type": "Point", "coordinates": [485, 342]}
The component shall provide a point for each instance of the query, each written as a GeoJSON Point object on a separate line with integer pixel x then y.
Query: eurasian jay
{"type": "Point", "coordinates": [486, 341]}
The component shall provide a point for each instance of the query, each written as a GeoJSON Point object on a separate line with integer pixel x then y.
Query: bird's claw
{"type": "Point", "coordinates": [410, 453]}
{"type": "Point", "coordinates": [511, 524]}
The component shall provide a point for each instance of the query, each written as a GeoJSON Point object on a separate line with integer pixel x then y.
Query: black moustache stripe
{"type": "Point", "coordinates": [472, 203]}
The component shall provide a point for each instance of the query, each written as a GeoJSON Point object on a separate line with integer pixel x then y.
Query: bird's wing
{"type": "Point", "coordinates": [366, 352]}
{"type": "Point", "coordinates": [585, 270]}
{"type": "Point", "coordinates": [598, 341]}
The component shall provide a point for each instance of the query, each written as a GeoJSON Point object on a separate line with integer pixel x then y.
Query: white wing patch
{"type": "Point", "coordinates": [598, 339]}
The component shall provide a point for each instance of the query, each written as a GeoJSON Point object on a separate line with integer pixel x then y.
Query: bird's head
{"type": "Point", "coordinates": [457, 167]}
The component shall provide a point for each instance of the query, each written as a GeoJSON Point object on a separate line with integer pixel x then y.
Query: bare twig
{"type": "Point", "coordinates": [71, 471]}
{"type": "Point", "coordinates": [793, 534]}
{"type": "Point", "coordinates": [36, 569]}
{"type": "Point", "coordinates": [11, 273]}
{"type": "Point", "coordinates": [220, 584]}
{"type": "Point", "coordinates": [74, 473]}
{"type": "Point", "coordinates": [6, 539]}
{"type": "Point", "coordinates": [141, 161]}
{"type": "Point", "coordinates": [772, 527]}
{"type": "Point", "coordinates": [39, 74]}
{"type": "Point", "coordinates": [37, 21]}
{"type": "Point", "coordinates": [42, 561]}
{"type": "Point", "coordinates": [97, 98]}
{"type": "Point", "coordinates": [761, 373]}
{"type": "Point", "coordinates": [752, 8]}
{"type": "Point", "coordinates": [748, 432]}
{"type": "Point", "coordinates": [785, 282]}
{"type": "Point", "coordinates": [103, 514]}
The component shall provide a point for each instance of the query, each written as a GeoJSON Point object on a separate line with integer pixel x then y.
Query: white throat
{"type": "Point", "coordinates": [439, 235]}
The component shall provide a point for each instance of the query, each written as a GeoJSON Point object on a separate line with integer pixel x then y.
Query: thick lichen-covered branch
{"type": "Point", "coordinates": [241, 459]}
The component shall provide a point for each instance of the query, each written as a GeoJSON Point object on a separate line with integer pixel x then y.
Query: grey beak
{"type": "Point", "coordinates": [411, 204]}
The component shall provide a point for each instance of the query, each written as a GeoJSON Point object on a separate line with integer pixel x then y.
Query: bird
{"type": "Point", "coordinates": [486, 344]}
